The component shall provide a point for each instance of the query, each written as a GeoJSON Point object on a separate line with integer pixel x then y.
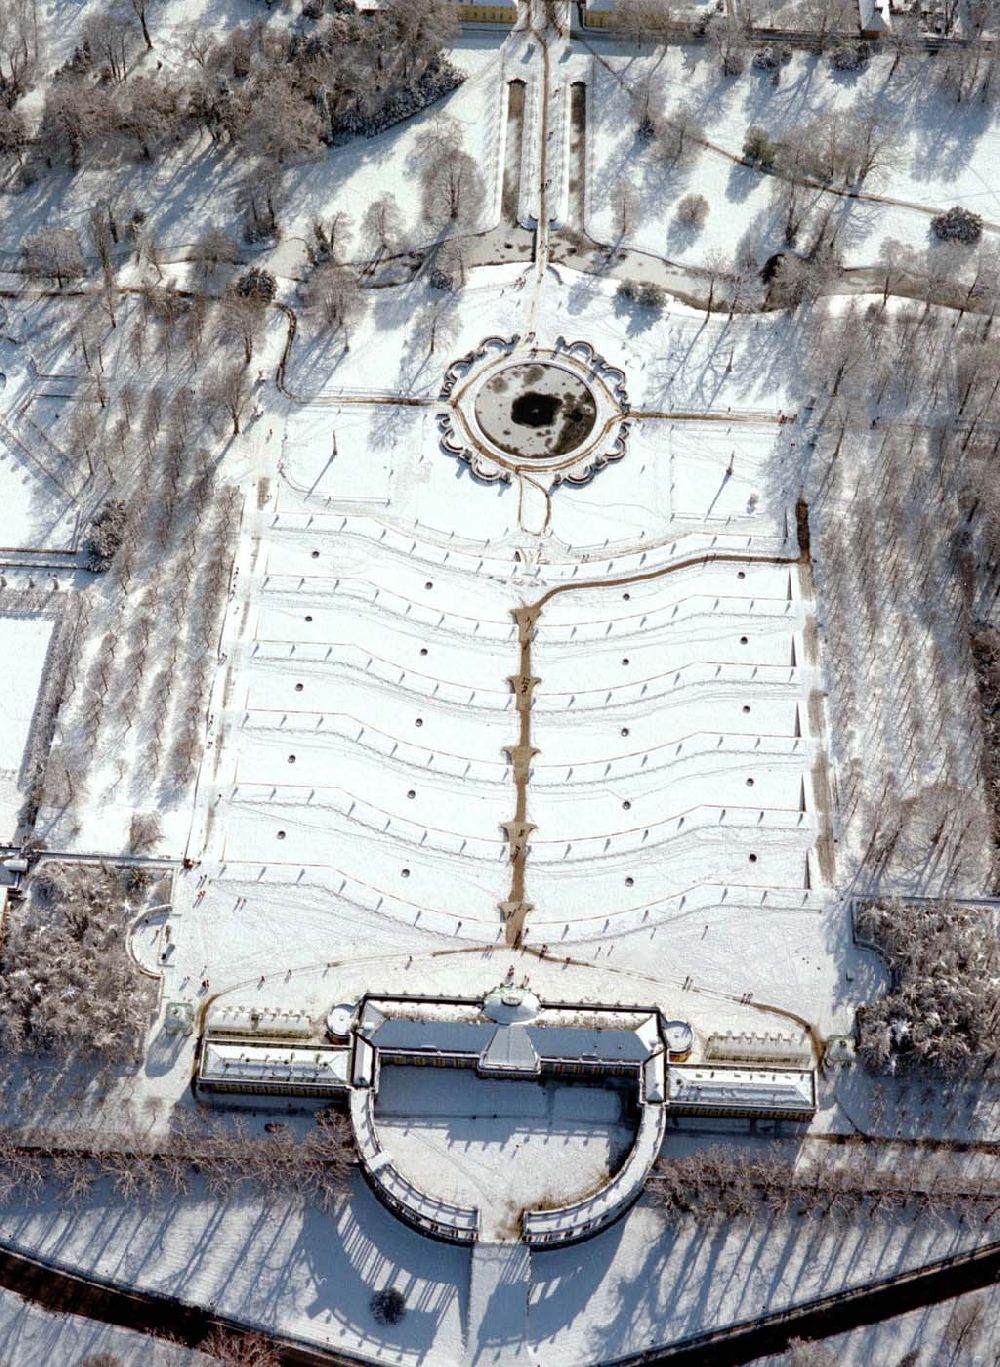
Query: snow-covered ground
{"type": "Point", "coordinates": [31, 1336]}
{"type": "Point", "coordinates": [40, 510]}
{"type": "Point", "coordinates": [313, 1275]}
{"type": "Point", "coordinates": [361, 758]}
{"type": "Point", "coordinates": [502, 1147]}
{"type": "Point", "coordinates": [960, 1332]}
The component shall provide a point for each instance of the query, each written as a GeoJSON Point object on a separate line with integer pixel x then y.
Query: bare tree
{"type": "Point", "coordinates": [259, 197]}
{"type": "Point", "coordinates": [140, 9]}
{"type": "Point", "coordinates": [692, 211]}
{"type": "Point", "coordinates": [624, 205]}
{"type": "Point", "coordinates": [966, 1324]}
{"type": "Point", "coordinates": [20, 49]}
{"type": "Point", "coordinates": [279, 123]}
{"type": "Point", "coordinates": [642, 21]}
{"type": "Point", "coordinates": [75, 114]}
{"type": "Point", "coordinates": [145, 832]}
{"type": "Point", "coordinates": [240, 320]}
{"type": "Point", "coordinates": [100, 236]}
{"type": "Point", "coordinates": [334, 293]}
{"type": "Point", "coordinates": [214, 249]}
{"type": "Point", "coordinates": [806, 1353]}
{"type": "Point", "coordinates": [802, 279]}
{"type": "Point", "coordinates": [13, 134]}
{"type": "Point", "coordinates": [826, 17]}
{"type": "Point", "coordinates": [111, 39]}
{"type": "Point", "coordinates": [240, 1350]}
{"type": "Point", "coordinates": [381, 227]}
{"type": "Point", "coordinates": [227, 387]}
{"type": "Point", "coordinates": [150, 113]}
{"type": "Point", "coordinates": [453, 189]}
{"type": "Point", "coordinates": [678, 135]}
{"type": "Point", "coordinates": [728, 34]}
{"type": "Point", "coordinates": [53, 253]}
{"type": "Point", "coordinates": [331, 238]}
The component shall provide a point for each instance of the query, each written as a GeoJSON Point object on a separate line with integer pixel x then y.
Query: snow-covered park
{"type": "Point", "coordinates": [423, 579]}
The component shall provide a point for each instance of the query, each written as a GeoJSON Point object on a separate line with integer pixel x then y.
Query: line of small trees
{"type": "Point", "coordinates": [66, 618]}
{"type": "Point", "coordinates": [220, 1152]}
{"type": "Point", "coordinates": [166, 536]}
{"type": "Point", "coordinates": [838, 147]}
{"type": "Point", "coordinates": [986, 659]}
{"type": "Point", "coordinates": [725, 1183]}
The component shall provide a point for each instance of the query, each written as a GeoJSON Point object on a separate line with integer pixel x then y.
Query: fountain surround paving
{"type": "Point", "coordinates": [555, 415]}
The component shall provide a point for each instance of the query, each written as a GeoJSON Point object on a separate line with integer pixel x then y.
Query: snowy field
{"type": "Point", "coordinates": [367, 712]}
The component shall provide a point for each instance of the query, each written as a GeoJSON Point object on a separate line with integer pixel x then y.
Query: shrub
{"type": "Point", "coordinates": [107, 532]}
{"type": "Point", "coordinates": [646, 131]}
{"type": "Point", "coordinates": [957, 225]}
{"type": "Point", "coordinates": [849, 56]}
{"type": "Point", "coordinates": [256, 284]}
{"type": "Point", "coordinates": [772, 57]}
{"type": "Point", "coordinates": [388, 1306]}
{"type": "Point", "coordinates": [439, 78]}
{"type": "Point", "coordinates": [641, 294]}
{"type": "Point", "coordinates": [650, 296]}
{"type": "Point", "coordinates": [734, 62]}
{"type": "Point", "coordinates": [692, 211]}
{"type": "Point", "coordinates": [758, 149]}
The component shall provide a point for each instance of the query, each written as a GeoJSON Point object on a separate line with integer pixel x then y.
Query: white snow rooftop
{"type": "Point", "coordinates": [510, 1050]}
{"type": "Point", "coordinates": [726, 1088]}
{"type": "Point", "coordinates": [628, 1037]}
{"type": "Point", "coordinates": [266, 1064]}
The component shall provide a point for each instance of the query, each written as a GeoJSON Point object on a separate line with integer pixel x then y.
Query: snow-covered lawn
{"type": "Point", "coordinates": [945, 153]}
{"type": "Point", "coordinates": [40, 510]}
